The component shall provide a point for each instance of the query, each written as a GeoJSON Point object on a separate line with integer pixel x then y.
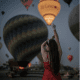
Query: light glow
{"type": "Point", "coordinates": [21, 67]}
{"type": "Point", "coordinates": [29, 65]}
{"type": "Point", "coordinates": [49, 19]}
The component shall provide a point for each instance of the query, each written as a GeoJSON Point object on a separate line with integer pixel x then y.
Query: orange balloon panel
{"type": "Point", "coordinates": [49, 9]}
{"type": "Point", "coordinates": [70, 57]}
{"type": "Point", "coordinates": [49, 19]}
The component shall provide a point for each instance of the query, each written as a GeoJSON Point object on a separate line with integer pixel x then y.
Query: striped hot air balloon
{"type": "Point", "coordinates": [24, 37]}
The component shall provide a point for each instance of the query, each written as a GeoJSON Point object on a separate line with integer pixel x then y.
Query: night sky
{"type": "Point", "coordinates": [11, 8]}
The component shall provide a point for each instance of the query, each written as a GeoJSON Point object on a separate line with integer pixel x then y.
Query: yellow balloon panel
{"type": "Point", "coordinates": [49, 7]}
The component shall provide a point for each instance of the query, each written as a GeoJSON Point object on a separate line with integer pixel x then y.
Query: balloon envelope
{"type": "Point", "coordinates": [74, 22]}
{"type": "Point", "coordinates": [70, 57]}
{"type": "Point", "coordinates": [26, 3]}
{"type": "Point", "coordinates": [69, 48]}
{"type": "Point", "coordinates": [25, 38]}
{"type": "Point", "coordinates": [49, 9]}
{"type": "Point", "coordinates": [68, 1]}
{"type": "Point", "coordinates": [0, 45]}
{"type": "Point", "coordinates": [7, 55]}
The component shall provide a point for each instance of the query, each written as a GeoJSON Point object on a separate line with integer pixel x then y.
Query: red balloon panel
{"type": "Point", "coordinates": [26, 3]}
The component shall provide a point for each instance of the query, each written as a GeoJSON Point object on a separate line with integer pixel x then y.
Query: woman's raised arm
{"type": "Point", "coordinates": [42, 46]}
{"type": "Point", "coordinates": [57, 39]}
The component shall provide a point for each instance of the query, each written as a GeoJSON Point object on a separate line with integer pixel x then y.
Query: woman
{"type": "Point", "coordinates": [51, 57]}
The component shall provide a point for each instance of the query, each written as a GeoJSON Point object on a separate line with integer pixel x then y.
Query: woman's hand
{"type": "Point", "coordinates": [44, 43]}
{"type": "Point", "coordinates": [53, 37]}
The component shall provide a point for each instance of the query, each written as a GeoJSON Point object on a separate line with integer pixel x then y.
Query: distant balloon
{"type": "Point", "coordinates": [68, 2]}
{"type": "Point", "coordinates": [2, 12]}
{"type": "Point", "coordinates": [26, 3]}
{"type": "Point", "coordinates": [69, 48]}
{"type": "Point", "coordinates": [0, 45]}
{"type": "Point", "coordinates": [7, 55]}
{"type": "Point", "coordinates": [70, 57]}
{"type": "Point", "coordinates": [74, 22]}
{"type": "Point", "coordinates": [33, 5]}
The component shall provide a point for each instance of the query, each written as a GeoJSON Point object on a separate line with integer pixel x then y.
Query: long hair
{"type": "Point", "coordinates": [55, 56]}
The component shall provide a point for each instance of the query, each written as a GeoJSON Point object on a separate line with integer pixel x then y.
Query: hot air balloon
{"type": "Point", "coordinates": [0, 45]}
{"type": "Point", "coordinates": [23, 38]}
{"type": "Point", "coordinates": [33, 5]}
{"type": "Point", "coordinates": [49, 9]}
{"type": "Point", "coordinates": [7, 55]}
{"type": "Point", "coordinates": [2, 12]}
{"type": "Point", "coordinates": [70, 57]}
{"type": "Point", "coordinates": [69, 48]}
{"type": "Point", "coordinates": [74, 22]}
{"type": "Point", "coordinates": [26, 3]}
{"type": "Point", "coordinates": [68, 2]}
{"type": "Point", "coordinates": [0, 38]}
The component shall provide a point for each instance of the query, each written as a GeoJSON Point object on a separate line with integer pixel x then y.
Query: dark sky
{"type": "Point", "coordinates": [66, 38]}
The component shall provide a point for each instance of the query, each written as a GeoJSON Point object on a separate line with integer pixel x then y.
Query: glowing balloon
{"type": "Point", "coordinates": [26, 3]}
{"type": "Point", "coordinates": [70, 57]}
{"type": "Point", "coordinates": [49, 9]}
{"type": "Point", "coordinates": [29, 64]}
